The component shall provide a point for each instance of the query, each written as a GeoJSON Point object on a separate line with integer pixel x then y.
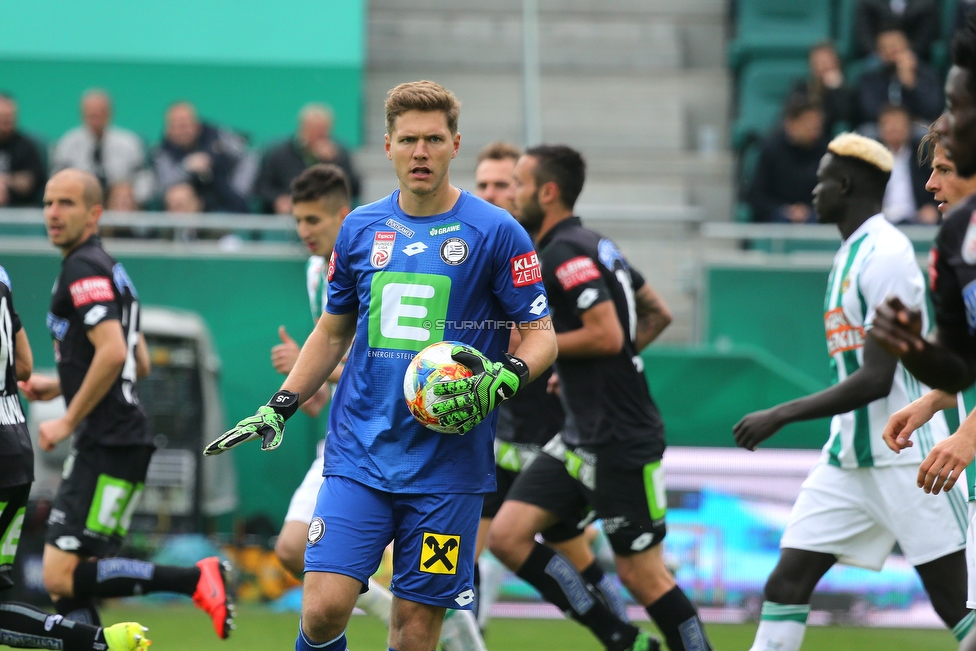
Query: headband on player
{"type": "Point", "coordinates": [870, 151]}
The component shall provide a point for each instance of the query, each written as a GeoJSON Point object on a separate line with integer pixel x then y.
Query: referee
{"type": "Point", "coordinates": [100, 352]}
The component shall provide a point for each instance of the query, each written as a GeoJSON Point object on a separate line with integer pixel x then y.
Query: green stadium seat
{"type": "Point", "coordinates": [778, 28]}
{"type": "Point", "coordinates": [941, 49]}
{"type": "Point", "coordinates": [763, 87]}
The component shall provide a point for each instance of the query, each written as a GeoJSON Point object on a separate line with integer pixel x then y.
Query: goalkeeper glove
{"type": "Point", "coordinates": [468, 401]}
{"type": "Point", "coordinates": [268, 424]}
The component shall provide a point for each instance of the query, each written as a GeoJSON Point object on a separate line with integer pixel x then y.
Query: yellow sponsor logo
{"type": "Point", "coordinates": [439, 553]}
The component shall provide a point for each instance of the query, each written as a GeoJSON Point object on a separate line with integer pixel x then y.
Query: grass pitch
{"type": "Point", "coordinates": [258, 629]}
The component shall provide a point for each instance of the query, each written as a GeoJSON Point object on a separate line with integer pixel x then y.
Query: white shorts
{"type": "Point", "coordinates": [971, 556]}
{"type": "Point", "coordinates": [302, 503]}
{"type": "Point", "coordinates": [858, 515]}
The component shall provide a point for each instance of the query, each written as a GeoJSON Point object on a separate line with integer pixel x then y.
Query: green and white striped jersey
{"type": "Point", "coordinates": [875, 262]}
{"type": "Point", "coordinates": [318, 286]}
{"type": "Point", "coordinates": [966, 401]}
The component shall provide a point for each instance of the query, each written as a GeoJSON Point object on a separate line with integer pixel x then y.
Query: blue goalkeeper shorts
{"type": "Point", "coordinates": [433, 558]}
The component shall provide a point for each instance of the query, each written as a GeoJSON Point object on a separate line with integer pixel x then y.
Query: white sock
{"type": "Point", "coordinates": [377, 602]}
{"type": "Point", "coordinates": [460, 632]}
{"type": "Point", "coordinates": [781, 627]}
{"type": "Point", "coordinates": [492, 575]}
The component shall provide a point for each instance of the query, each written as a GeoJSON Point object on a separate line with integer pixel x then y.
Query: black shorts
{"type": "Point", "coordinates": [13, 504]}
{"type": "Point", "coordinates": [100, 488]}
{"type": "Point", "coordinates": [606, 482]}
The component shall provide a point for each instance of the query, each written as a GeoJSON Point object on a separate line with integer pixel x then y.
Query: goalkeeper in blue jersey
{"type": "Point", "coordinates": [427, 263]}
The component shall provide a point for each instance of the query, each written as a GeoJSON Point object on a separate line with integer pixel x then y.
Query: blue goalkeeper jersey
{"type": "Point", "coordinates": [464, 275]}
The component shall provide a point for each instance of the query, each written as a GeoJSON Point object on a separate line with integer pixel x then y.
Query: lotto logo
{"type": "Point", "coordinates": [526, 269]}
{"type": "Point", "coordinates": [94, 289]}
{"type": "Point", "coordinates": [576, 271]}
{"type": "Point", "coordinates": [439, 553]}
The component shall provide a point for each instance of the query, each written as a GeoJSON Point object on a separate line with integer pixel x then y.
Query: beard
{"type": "Point", "coordinates": [530, 215]}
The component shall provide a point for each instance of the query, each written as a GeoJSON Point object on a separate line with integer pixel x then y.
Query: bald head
{"type": "Point", "coordinates": [91, 189]}
{"type": "Point", "coordinates": [96, 110]}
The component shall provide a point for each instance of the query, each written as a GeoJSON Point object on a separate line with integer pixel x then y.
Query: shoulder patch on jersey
{"type": "Point", "coordinates": [969, 298]}
{"type": "Point", "coordinates": [609, 253]}
{"type": "Point", "coordinates": [400, 228]}
{"type": "Point", "coordinates": [332, 266]}
{"type": "Point", "coordinates": [576, 271]}
{"type": "Point", "coordinates": [454, 251]}
{"type": "Point", "coordinates": [4, 278]}
{"type": "Point", "coordinates": [94, 289]}
{"type": "Point", "coordinates": [526, 269]}
{"type": "Point", "coordinates": [382, 251]}
{"type": "Point", "coordinates": [57, 326]}
{"type": "Point", "coordinates": [122, 280]}
{"type": "Point", "coordinates": [969, 241]}
{"type": "Point", "coordinates": [933, 267]}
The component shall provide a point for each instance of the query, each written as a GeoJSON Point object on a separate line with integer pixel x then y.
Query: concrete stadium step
{"type": "Point", "coordinates": [493, 41]}
{"type": "Point", "coordinates": [661, 111]}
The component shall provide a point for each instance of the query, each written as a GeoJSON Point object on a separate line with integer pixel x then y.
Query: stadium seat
{"type": "Point", "coordinates": [763, 87]}
{"type": "Point", "coordinates": [774, 28]}
{"type": "Point", "coordinates": [941, 49]}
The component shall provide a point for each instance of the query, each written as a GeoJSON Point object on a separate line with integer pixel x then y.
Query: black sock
{"type": "Point", "coordinates": [27, 627]}
{"type": "Point", "coordinates": [78, 610]}
{"type": "Point", "coordinates": [678, 621]}
{"type": "Point", "coordinates": [603, 589]}
{"type": "Point", "coordinates": [476, 604]}
{"type": "Point", "coordinates": [559, 582]}
{"type": "Point", "coordinates": [124, 577]}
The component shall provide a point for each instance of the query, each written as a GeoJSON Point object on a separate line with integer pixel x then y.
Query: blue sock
{"type": "Point", "coordinates": [305, 644]}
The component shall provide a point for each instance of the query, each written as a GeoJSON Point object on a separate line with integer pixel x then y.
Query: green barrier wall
{"type": "Point", "coordinates": [702, 393]}
{"type": "Point", "coordinates": [243, 303]}
{"type": "Point", "coordinates": [777, 310]}
{"type": "Point", "coordinates": [246, 64]}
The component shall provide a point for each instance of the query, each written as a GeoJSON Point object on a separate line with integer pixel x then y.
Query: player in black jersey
{"type": "Point", "coordinates": [528, 421]}
{"type": "Point", "coordinates": [21, 625]}
{"type": "Point", "coordinates": [100, 352]}
{"type": "Point", "coordinates": [947, 361]}
{"type": "Point", "coordinates": [608, 457]}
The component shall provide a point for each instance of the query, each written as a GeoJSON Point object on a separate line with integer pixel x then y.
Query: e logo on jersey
{"type": "Point", "coordinates": [439, 553]}
{"type": "Point", "coordinates": [382, 251]}
{"type": "Point", "coordinates": [454, 251]}
{"type": "Point", "coordinates": [407, 310]}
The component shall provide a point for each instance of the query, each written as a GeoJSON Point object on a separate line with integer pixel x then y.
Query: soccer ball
{"type": "Point", "coordinates": [432, 364]}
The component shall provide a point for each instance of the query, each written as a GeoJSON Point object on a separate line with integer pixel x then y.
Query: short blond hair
{"type": "Point", "coordinates": [864, 149]}
{"type": "Point", "coordinates": [422, 96]}
{"type": "Point", "coordinates": [499, 150]}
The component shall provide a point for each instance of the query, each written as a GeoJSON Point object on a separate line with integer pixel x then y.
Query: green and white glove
{"type": "Point", "coordinates": [468, 401]}
{"type": "Point", "coordinates": [268, 424]}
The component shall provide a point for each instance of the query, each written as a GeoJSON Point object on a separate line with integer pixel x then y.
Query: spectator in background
{"type": "Point", "coordinates": [917, 19]}
{"type": "Point", "coordinates": [22, 173]}
{"type": "Point", "coordinates": [213, 161]}
{"type": "Point", "coordinates": [312, 144]}
{"type": "Point", "coordinates": [900, 80]}
{"type": "Point", "coordinates": [825, 86]}
{"type": "Point", "coordinates": [786, 172]}
{"type": "Point", "coordinates": [906, 200]}
{"type": "Point", "coordinates": [182, 198]}
{"type": "Point", "coordinates": [113, 155]}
